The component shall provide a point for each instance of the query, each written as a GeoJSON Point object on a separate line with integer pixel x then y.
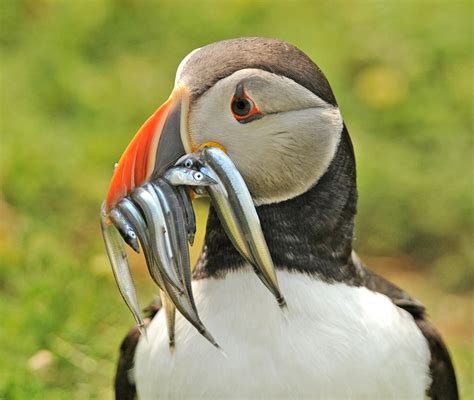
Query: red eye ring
{"type": "Point", "coordinates": [243, 107]}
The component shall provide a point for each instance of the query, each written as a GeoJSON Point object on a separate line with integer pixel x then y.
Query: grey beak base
{"type": "Point", "coordinates": [170, 147]}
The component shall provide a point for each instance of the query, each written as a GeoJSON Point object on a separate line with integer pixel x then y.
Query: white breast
{"type": "Point", "coordinates": [333, 342]}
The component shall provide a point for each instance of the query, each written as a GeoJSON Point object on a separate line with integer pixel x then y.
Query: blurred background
{"type": "Point", "coordinates": [79, 77]}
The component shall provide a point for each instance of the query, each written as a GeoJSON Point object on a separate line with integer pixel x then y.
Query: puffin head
{"type": "Point", "coordinates": [263, 101]}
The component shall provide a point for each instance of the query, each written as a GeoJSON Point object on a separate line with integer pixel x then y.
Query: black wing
{"type": "Point", "coordinates": [124, 383]}
{"type": "Point", "coordinates": [443, 385]}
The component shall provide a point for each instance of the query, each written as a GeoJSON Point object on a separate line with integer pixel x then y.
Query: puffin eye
{"type": "Point", "coordinates": [243, 108]}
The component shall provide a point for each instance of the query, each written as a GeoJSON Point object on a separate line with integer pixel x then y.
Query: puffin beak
{"type": "Point", "coordinates": [156, 146]}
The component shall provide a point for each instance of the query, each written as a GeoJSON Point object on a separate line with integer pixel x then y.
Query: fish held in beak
{"type": "Point", "coordinates": [247, 218]}
{"type": "Point", "coordinates": [178, 176]}
{"type": "Point", "coordinates": [236, 211]}
{"type": "Point", "coordinates": [155, 267]}
{"type": "Point", "coordinates": [187, 205]}
{"type": "Point", "coordinates": [176, 223]}
{"type": "Point", "coordinates": [120, 267]}
{"type": "Point", "coordinates": [170, 311]}
{"type": "Point", "coordinates": [160, 242]}
{"type": "Point", "coordinates": [125, 229]}
{"type": "Point", "coordinates": [134, 216]}
{"type": "Point", "coordinates": [159, 261]}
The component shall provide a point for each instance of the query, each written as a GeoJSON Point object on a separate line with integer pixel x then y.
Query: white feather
{"type": "Point", "coordinates": [333, 342]}
{"type": "Point", "coordinates": [181, 65]}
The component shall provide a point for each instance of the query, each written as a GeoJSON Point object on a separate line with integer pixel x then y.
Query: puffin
{"type": "Point", "coordinates": [346, 333]}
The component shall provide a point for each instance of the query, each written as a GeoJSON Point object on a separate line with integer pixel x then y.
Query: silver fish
{"type": "Point", "coordinates": [189, 164]}
{"type": "Point", "coordinates": [187, 206]}
{"type": "Point", "coordinates": [147, 198]}
{"type": "Point", "coordinates": [179, 175]}
{"type": "Point", "coordinates": [230, 222]}
{"type": "Point", "coordinates": [181, 302]}
{"type": "Point", "coordinates": [155, 267]}
{"type": "Point", "coordinates": [169, 225]}
{"type": "Point", "coordinates": [247, 221]}
{"type": "Point", "coordinates": [133, 215]}
{"type": "Point", "coordinates": [124, 228]}
{"type": "Point", "coordinates": [226, 214]}
{"type": "Point", "coordinates": [170, 311]}
{"type": "Point", "coordinates": [160, 244]}
{"type": "Point", "coordinates": [176, 223]}
{"type": "Point", "coordinates": [220, 200]}
{"type": "Point", "coordinates": [118, 260]}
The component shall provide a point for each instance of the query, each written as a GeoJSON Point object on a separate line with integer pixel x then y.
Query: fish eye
{"type": "Point", "coordinates": [188, 163]}
{"type": "Point", "coordinates": [198, 176]}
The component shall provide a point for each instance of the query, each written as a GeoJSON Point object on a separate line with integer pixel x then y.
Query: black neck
{"type": "Point", "coordinates": [310, 233]}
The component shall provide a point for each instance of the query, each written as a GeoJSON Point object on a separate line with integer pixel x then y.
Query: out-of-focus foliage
{"type": "Point", "coordinates": [78, 78]}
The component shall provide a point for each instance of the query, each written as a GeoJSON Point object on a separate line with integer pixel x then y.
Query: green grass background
{"type": "Point", "coordinates": [79, 77]}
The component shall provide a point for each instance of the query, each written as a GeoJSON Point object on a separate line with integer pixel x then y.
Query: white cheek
{"type": "Point", "coordinates": [288, 155]}
{"type": "Point", "coordinates": [181, 65]}
{"type": "Point", "coordinates": [211, 119]}
{"type": "Point", "coordinates": [281, 155]}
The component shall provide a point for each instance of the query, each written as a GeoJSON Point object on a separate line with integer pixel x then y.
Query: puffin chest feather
{"type": "Point", "coordinates": [333, 341]}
